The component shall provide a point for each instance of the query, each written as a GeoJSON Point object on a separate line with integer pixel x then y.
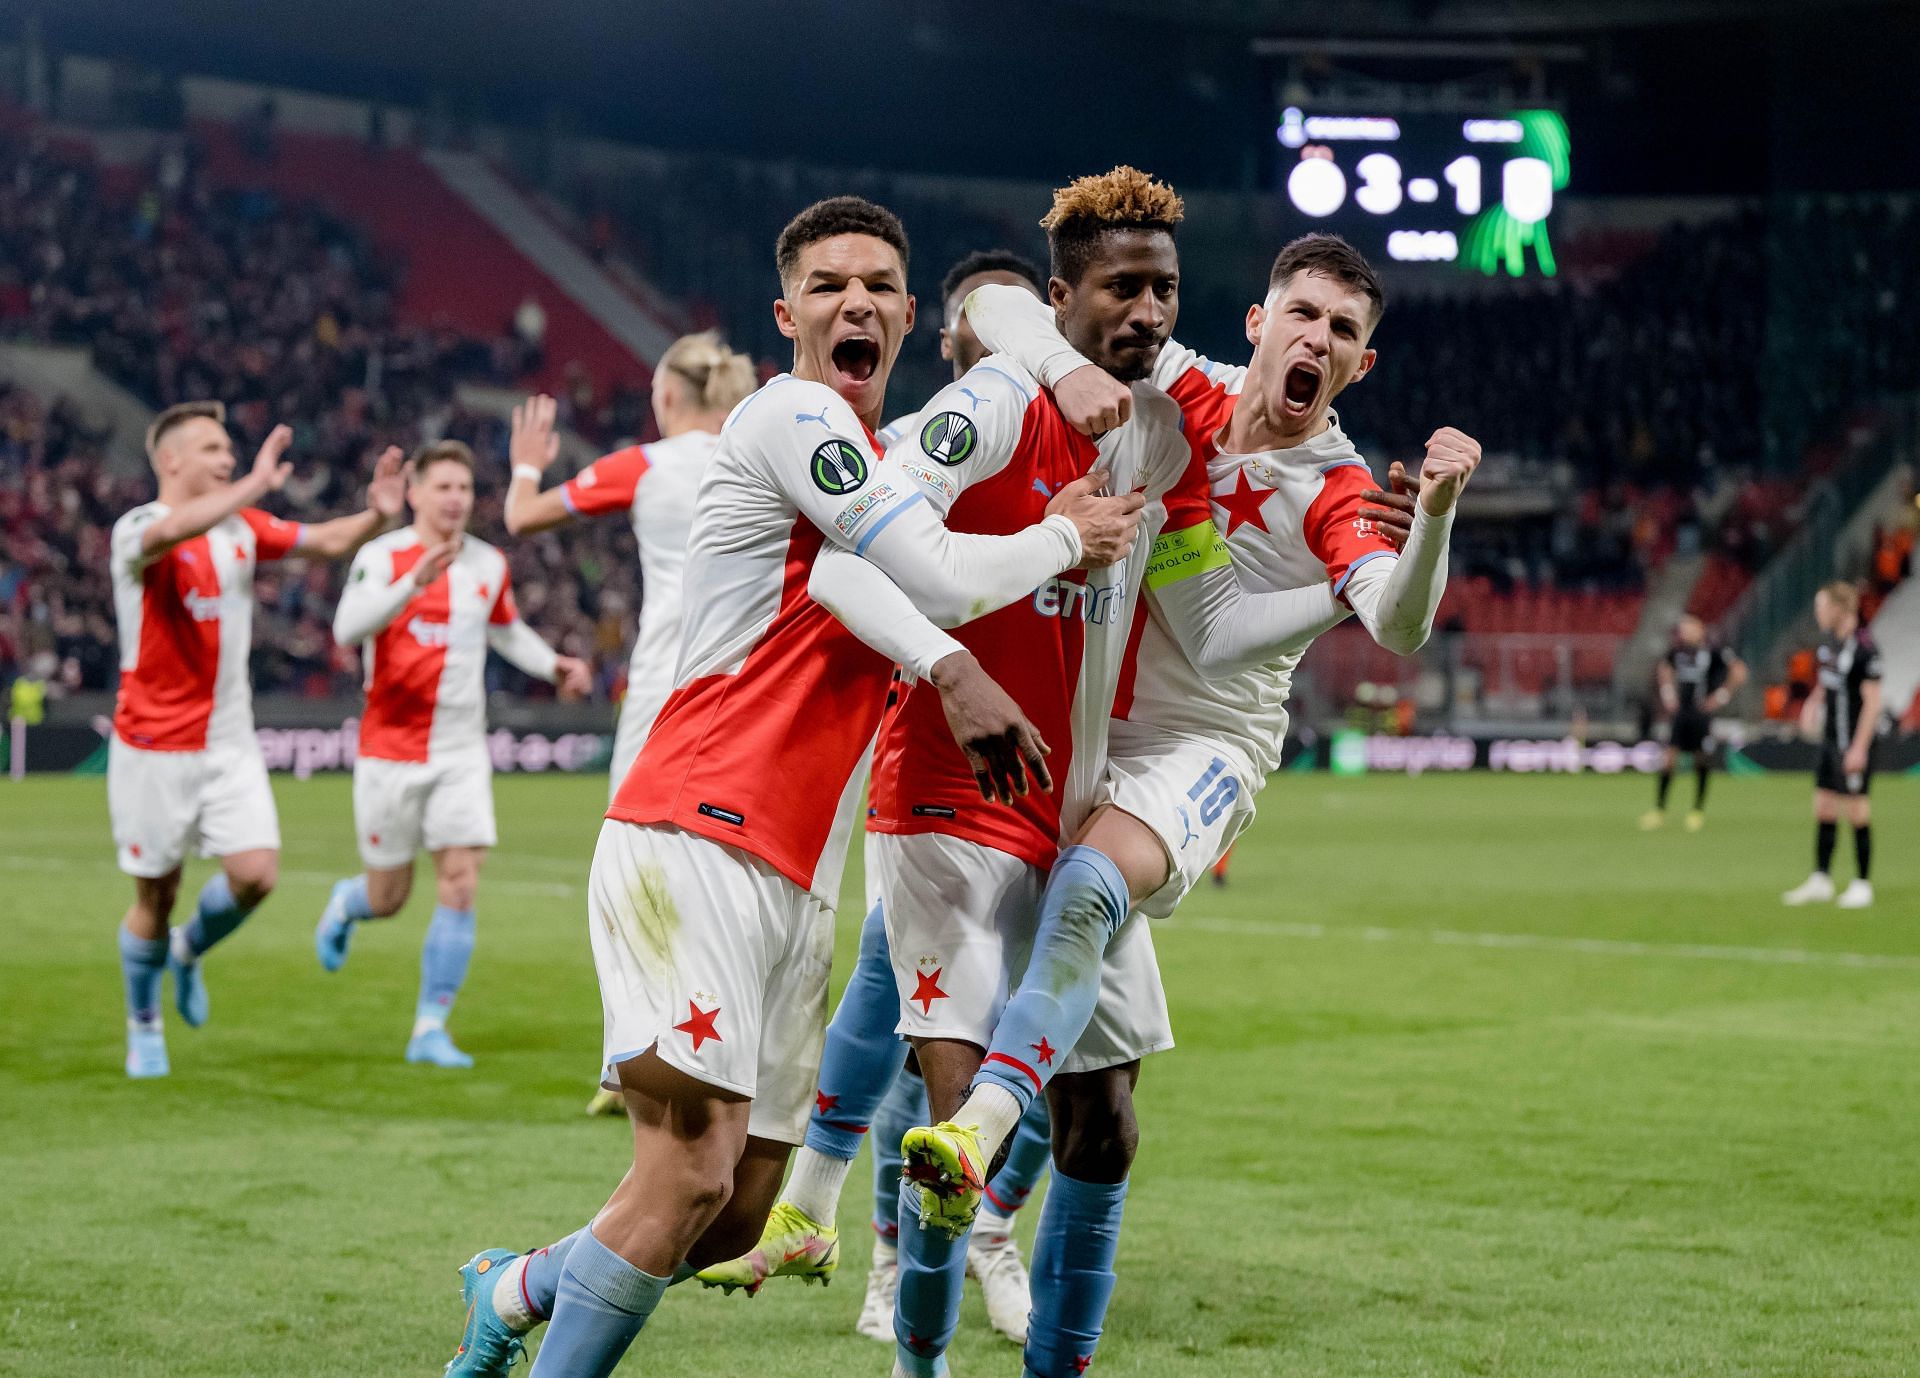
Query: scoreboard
{"type": "Point", "coordinates": [1476, 191]}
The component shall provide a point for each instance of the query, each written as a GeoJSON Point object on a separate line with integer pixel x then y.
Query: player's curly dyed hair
{"type": "Point", "coordinates": [1089, 207]}
{"type": "Point", "coordinates": [836, 215]}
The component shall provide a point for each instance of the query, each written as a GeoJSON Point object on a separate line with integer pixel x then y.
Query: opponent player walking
{"type": "Point", "coordinates": [1844, 711]}
{"type": "Point", "coordinates": [425, 604]}
{"type": "Point", "coordinates": [1695, 681]}
{"type": "Point", "coordinates": [1196, 729]}
{"type": "Point", "coordinates": [712, 885]}
{"type": "Point", "coordinates": [184, 768]}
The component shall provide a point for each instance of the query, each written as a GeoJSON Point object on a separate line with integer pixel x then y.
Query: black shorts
{"type": "Point", "coordinates": [1832, 773]}
{"type": "Point", "coordinates": [1691, 732]}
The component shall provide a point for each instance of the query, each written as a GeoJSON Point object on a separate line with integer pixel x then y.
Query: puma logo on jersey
{"type": "Point", "coordinates": [203, 607]}
{"type": "Point", "coordinates": [429, 634]}
{"type": "Point", "coordinates": [1079, 602]}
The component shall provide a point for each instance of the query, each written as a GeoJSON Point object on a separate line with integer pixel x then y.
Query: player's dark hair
{"type": "Point", "coordinates": [990, 261]}
{"type": "Point", "coordinates": [178, 415]}
{"type": "Point", "coordinates": [439, 452]}
{"type": "Point", "coordinates": [1330, 256]}
{"type": "Point", "coordinates": [1090, 208]}
{"type": "Point", "coordinates": [836, 215]}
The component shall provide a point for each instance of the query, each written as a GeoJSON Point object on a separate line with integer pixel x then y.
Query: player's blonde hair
{"type": "Point", "coordinates": [1089, 207]}
{"type": "Point", "coordinates": [1842, 595]}
{"type": "Point", "coordinates": [719, 378]}
{"type": "Point", "coordinates": [439, 452]}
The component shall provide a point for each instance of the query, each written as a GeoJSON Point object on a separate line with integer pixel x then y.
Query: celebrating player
{"type": "Point", "coordinates": [1695, 681]}
{"type": "Point", "coordinates": [697, 382]}
{"type": "Point", "coordinates": [425, 603]}
{"type": "Point", "coordinates": [1844, 710]}
{"type": "Point", "coordinates": [184, 768]}
{"type": "Point", "coordinates": [864, 1082]}
{"type": "Point", "coordinates": [711, 893]}
{"type": "Point", "coordinates": [1198, 726]}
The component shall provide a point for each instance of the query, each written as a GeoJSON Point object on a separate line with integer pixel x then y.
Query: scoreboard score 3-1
{"type": "Point", "coordinates": [1477, 191]}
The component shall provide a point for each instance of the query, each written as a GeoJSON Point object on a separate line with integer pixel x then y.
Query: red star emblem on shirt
{"type": "Point", "coordinates": [1243, 504]}
{"type": "Point", "coordinates": [927, 989]}
{"type": "Point", "coordinates": [1044, 1051]}
{"type": "Point", "coordinates": [484, 590]}
{"type": "Point", "coordinates": [699, 1025]}
{"type": "Point", "coordinates": [1083, 1362]}
{"type": "Point", "coordinates": [824, 1103]}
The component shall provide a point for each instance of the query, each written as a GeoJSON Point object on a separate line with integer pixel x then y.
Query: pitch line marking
{"type": "Point", "coordinates": [1546, 942]}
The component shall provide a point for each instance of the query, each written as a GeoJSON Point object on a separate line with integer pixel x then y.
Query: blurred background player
{"type": "Point", "coordinates": [865, 1054]}
{"type": "Point", "coordinates": [184, 768]}
{"type": "Point", "coordinates": [1695, 681]}
{"type": "Point", "coordinates": [424, 604]}
{"type": "Point", "coordinates": [1844, 709]}
{"type": "Point", "coordinates": [696, 383]}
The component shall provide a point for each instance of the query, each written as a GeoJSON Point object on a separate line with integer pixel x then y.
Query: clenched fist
{"type": "Point", "coordinates": [1093, 401]}
{"type": "Point", "coordinates": [1452, 456]}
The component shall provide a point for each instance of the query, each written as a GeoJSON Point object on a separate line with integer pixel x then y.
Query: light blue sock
{"type": "Point", "coordinates": [540, 1280]}
{"type": "Point", "coordinates": [215, 916]}
{"type": "Point", "coordinates": [352, 894]}
{"type": "Point", "coordinates": [1085, 904]}
{"type": "Point", "coordinates": [1072, 1277]}
{"type": "Point", "coordinates": [600, 1305]}
{"type": "Point", "coordinates": [863, 1054]}
{"type": "Point", "coordinates": [443, 962]}
{"type": "Point", "coordinates": [933, 1270]}
{"type": "Point", "coordinates": [904, 1107]}
{"type": "Point", "coordinates": [1027, 1158]}
{"type": "Point", "coordinates": [141, 962]}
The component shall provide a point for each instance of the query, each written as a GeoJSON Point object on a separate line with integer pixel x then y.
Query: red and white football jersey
{"type": "Point", "coordinates": [655, 484]}
{"type": "Point", "coordinates": [1288, 519]}
{"type": "Point", "coordinates": [775, 703]}
{"type": "Point", "coordinates": [990, 451]}
{"type": "Point", "coordinates": [186, 628]}
{"type": "Point", "coordinates": [425, 669]}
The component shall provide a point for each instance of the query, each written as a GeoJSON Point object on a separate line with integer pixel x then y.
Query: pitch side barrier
{"type": "Point", "coordinates": [1364, 753]}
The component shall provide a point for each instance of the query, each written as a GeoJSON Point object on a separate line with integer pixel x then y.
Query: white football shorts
{"type": "Point", "coordinates": [401, 808]}
{"type": "Point", "coordinates": [960, 923]}
{"type": "Point", "coordinates": [1196, 798]}
{"type": "Point", "coordinates": [164, 804]}
{"type": "Point", "coordinates": [714, 961]}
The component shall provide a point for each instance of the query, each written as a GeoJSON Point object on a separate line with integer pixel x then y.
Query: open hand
{"type": "Point", "coordinates": [387, 490]}
{"type": "Point", "coordinates": [1000, 744]}
{"type": "Point", "coordinates": [1392, 511]}
{"type": "Point", "coordinates": [271, 468]}
{"type": "Point", "coordinates": [534, 442]}
{"type": "Point", "coordinates": [434, 563]}
{"type": "Point", "coordinates": [1108, 524]}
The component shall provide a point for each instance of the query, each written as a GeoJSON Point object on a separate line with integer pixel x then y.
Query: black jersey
{"type": "Point", "coordinates": [1845, 668]}
{"type": "Point", "coordinates": [1697, 672]}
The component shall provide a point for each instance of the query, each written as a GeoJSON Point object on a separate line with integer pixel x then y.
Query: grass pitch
{"type": "Point", "coordinates": [1473, 1078]}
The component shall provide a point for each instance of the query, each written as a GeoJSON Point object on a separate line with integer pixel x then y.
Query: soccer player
{"type": "Point", "coordinates": [698, 381]}
{"type": "Point", "coordinates": [424, 604]}
{"type": "Point", "coordinates": [1695, 681]}
{"type": "Point", "coordinates": [710, 897]}
{"type": "Point", "coordinates": [1196, 730]}
{"type": "Point", "coordinates": [184, 768]}
{"type": "Point", "coordinates": [1844, 709]}
{"type": "Point", "coordinates": [864, 1082]}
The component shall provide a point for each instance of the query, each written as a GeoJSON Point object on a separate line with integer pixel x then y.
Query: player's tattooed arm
{"type": "Point", "coordinates": [1669, 693]}
{"type": "Point", "coordinates": [269, 474]}
{"type": "Point", "coordinates": [386, 500]}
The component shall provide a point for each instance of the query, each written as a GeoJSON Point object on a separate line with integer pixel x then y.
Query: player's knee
{"type": "Point", "coordinates": [154, 899]}
{"type": "Point", "coordinates": [253, 879]}
{"type": "Point", "coordinates": [458, 891]}
{"type": "Point", "coordinates": [1095, 1134]}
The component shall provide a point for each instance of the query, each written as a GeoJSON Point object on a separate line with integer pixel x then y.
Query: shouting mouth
{"type": "Point", "coordinates": [857, 357]}
{"type": "Point", "coordinates": [1301, 388]}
